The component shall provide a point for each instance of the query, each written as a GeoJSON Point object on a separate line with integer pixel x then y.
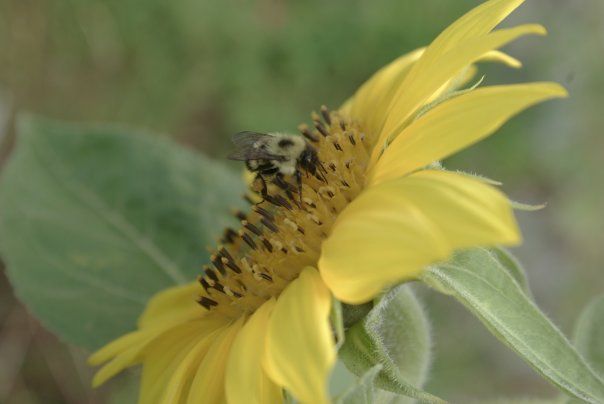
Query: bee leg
{"type": "Point", "coordinates": [286, 187]}
{"type": "Point", "coordinates": [299, 183]}
{"type": "Point", "coordinates": [264, 190]}
{"type": "Point", "coordinates": [280, 182]}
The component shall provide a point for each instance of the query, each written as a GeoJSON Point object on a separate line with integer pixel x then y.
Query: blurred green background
{"type": "Point", "coordinates": [198, 71]}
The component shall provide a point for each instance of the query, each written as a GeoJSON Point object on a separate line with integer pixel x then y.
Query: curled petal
{"type": "Point", "coordinates": [395, 229]}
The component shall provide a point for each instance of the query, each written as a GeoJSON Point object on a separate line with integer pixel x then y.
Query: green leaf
{"type": "Point", "coordinates": [513, 266]}
{"type": "Point", "coordinates": [589, 334]}
{"type": "Point", "coordinates": [396, 335]}
{"type": "Point", "coordinates": [95, 220]}
{"type": "Point", "coordinates": [486, 288]}
{"type": "Point", "coordinates": [386, 397]}
{"type": "Point", "coordinates": [352, 314]}
{"type": "Point", "coordinates": [337, 322]}
{"type": "Point", "coordinates": [363, 391]}
{"type": "Point", "coordinates": [507, 400]}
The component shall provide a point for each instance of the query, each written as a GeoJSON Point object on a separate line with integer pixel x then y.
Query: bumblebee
{"type": "Point", "coordinates": [275, 156]}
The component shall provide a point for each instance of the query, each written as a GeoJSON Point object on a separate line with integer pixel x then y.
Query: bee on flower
{"type": "Point", "coordinates": [349, 208]}
{"type": "Point", "coordinates": [277, 155]}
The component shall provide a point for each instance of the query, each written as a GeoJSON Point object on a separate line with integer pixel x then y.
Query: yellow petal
{"type": "Point", "coordinates": [163, 357]}
{"type": "Point", "coordinates": [456, 124]}
{"type": "Point", "coordinates": [166, 309]}
{"type": "Point", "coordinates": [117, 346]}
{"type": "Point", "coordinates": [501, 57]}
{"type": "Point", "coordinates": [300, 350]}
{"type": "Point", "coordinates": [208, 384]}
{"type": "Point", "coordinates": [128, 355]}
{"type": "Point", "coordinates": [134, 348]}
{"type": "Point", "coordinates": [416, 90]}
{"type": "Point", "coordinates": [370, 102]}
{"type": "Point", "coordinates": [246, 382]}
{"type": "Point", "coordinates": [173, 305]}
{"type": "Point", "coordinates": [393, 230]}
{"type": "Point", "coordinates": [177, 389]}
{"type": "Point", "coordinates": [477, 22]}
{"type": "Point", "coordinates": [470, 71]}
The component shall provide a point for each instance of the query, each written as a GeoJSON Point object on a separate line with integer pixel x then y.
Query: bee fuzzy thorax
{"type": "Point", "coordinates": [283, 233]}
{"type": "Point", "coordinates": [291, 148]}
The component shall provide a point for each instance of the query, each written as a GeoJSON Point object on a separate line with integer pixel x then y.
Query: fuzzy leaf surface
{"type": "Point", "coordinates": [589, 334]}
{"type": "Point", "coordinates": [394, 334]}
{"type": "Point", "coordinates": [478, 280]}
{"type": "Point", "coordinates": [95, 219]}
{"type": "Point", "coordinates": [363, 391]}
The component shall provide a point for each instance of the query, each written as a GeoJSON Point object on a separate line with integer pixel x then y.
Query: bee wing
{"type": "Point", "coordinates": [246, 144]}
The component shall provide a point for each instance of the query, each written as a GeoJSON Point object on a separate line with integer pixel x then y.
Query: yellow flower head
{"type": "Point", "coordinates": [377, 216]}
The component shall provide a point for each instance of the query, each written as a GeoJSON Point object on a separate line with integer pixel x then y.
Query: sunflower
{"type": "Point", "coordinates": [381, 213]}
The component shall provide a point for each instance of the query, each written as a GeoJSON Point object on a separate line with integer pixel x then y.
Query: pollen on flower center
{"type": "Point", "coordinates": [283, 234]}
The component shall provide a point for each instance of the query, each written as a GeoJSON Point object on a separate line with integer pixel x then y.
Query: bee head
{"type": "Point", "coordinates": [309, 160]}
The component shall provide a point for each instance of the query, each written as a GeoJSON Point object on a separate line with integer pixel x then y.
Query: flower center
{"type": "Point", "coordinates": [283, 234]}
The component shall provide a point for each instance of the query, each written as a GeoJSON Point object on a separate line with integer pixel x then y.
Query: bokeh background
{"type": "Point", "coordinates": [198, 71]}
